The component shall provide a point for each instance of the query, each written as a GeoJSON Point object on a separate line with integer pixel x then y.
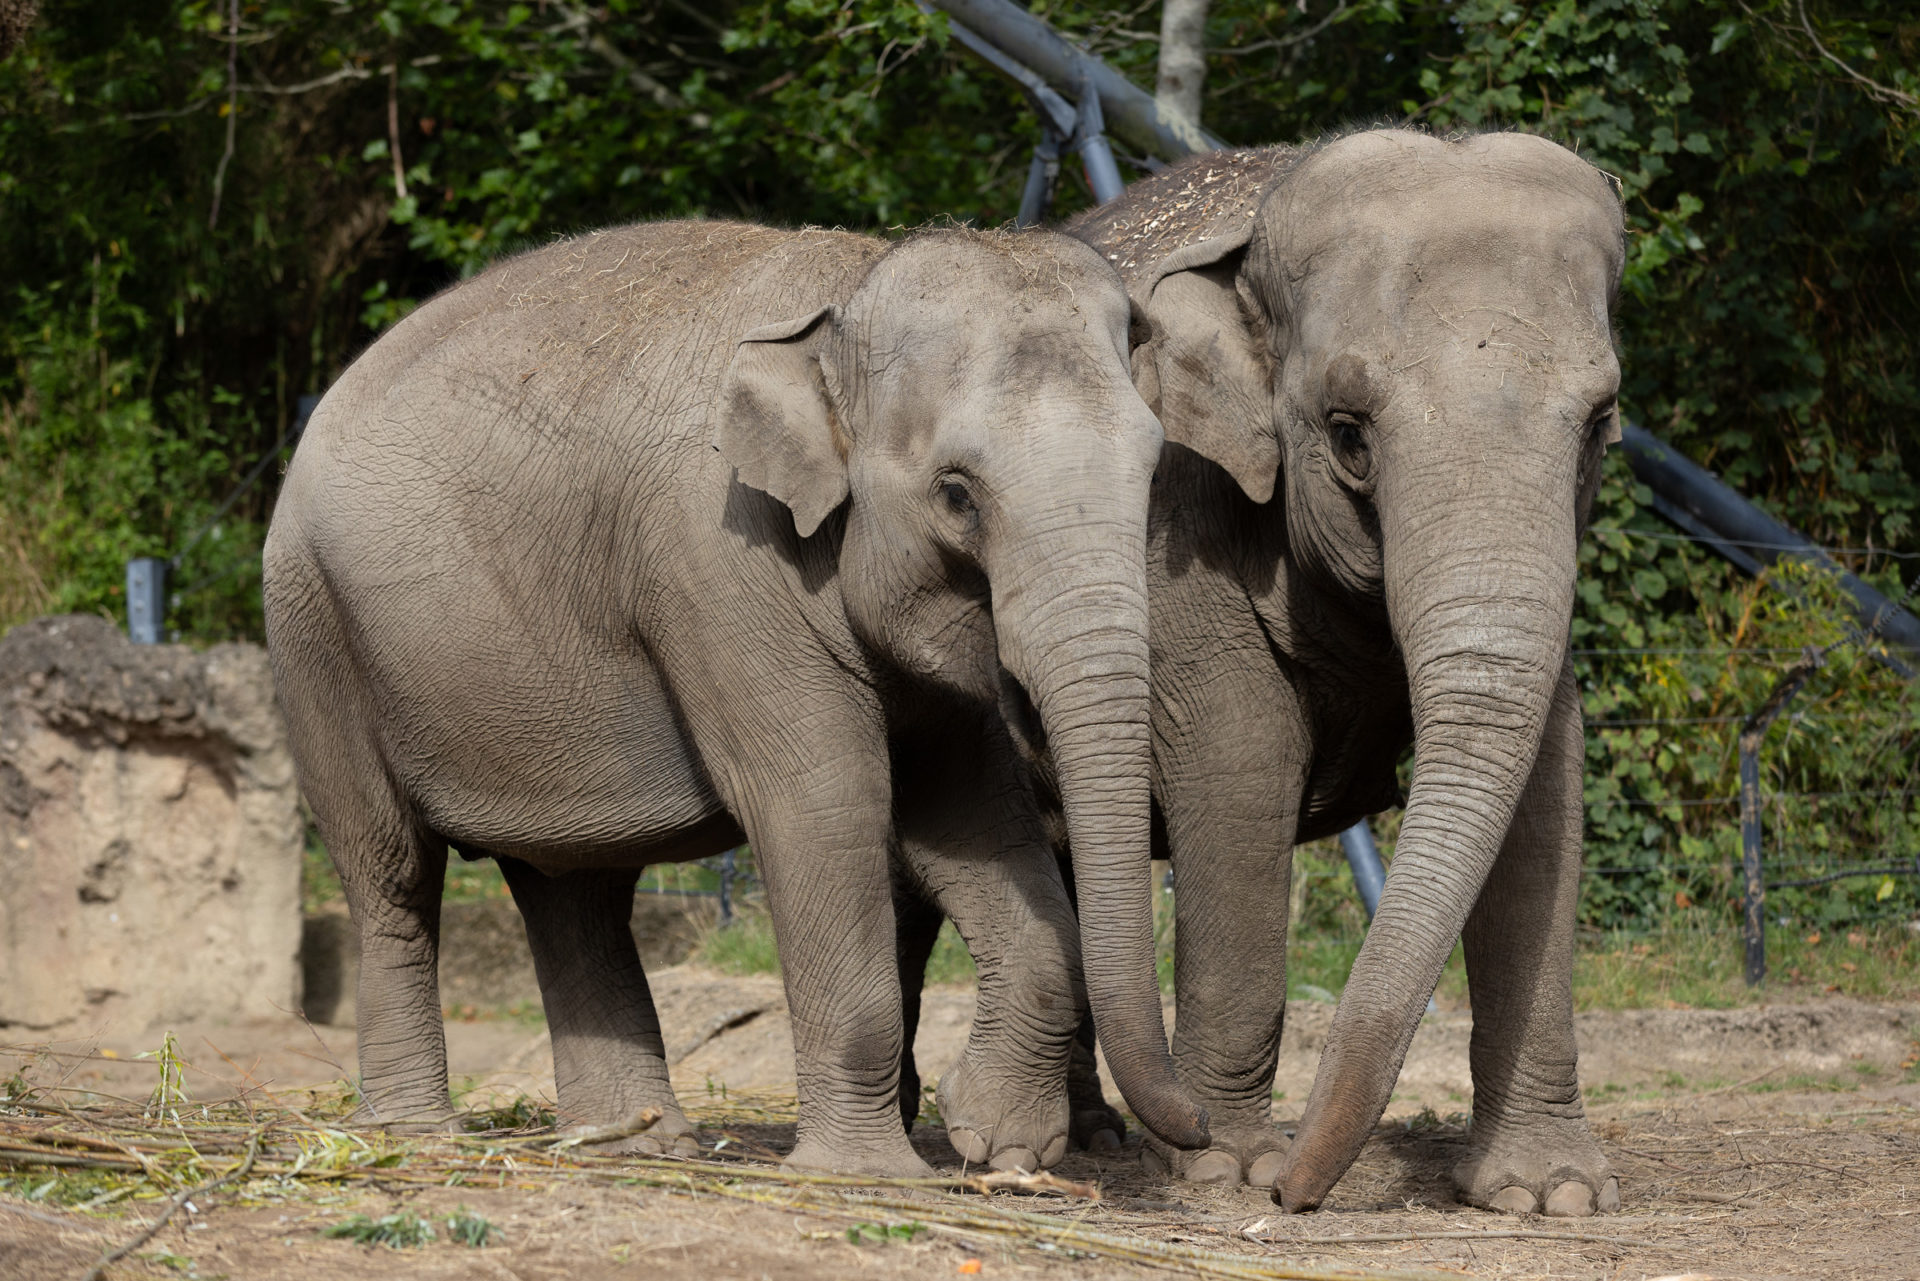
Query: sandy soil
{"type": "Point", "coordinates": [1779, 1141]}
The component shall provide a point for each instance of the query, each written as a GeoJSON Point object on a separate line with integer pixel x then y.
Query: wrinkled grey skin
{"type": "Point", "coordinates": [1404, 362]}
{"type": "Point", "coordinates": [568, 573]}
{"type": "Point", "coordinates": [1398, 349]}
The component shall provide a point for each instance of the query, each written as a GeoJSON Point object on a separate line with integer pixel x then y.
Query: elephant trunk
{"type": "Point", "coordinates": [1072, 628]}
{"type": "Point", "coordinates": [1479, 581]}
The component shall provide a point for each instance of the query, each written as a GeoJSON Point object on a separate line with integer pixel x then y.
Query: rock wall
{"type": "Point", "coordinates": [150, 833]}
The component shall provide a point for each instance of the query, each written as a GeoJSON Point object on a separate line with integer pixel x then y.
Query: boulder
{"type": "Point", "coordinates": [150, 833]}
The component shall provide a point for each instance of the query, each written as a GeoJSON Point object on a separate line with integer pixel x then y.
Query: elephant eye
{"type": "Point", "coordinates": [1600, 426]}
{"type": "Point", "coordinates": [959, 501]}
{"type": "Point", "coordinates": [1350, 449]}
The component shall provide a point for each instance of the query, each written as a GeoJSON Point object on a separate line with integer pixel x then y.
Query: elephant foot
{"type": "Point", "coordinates": [1256, 1156]}
{"type": "Point", "coordinates": [994, 1124]}
{"type": "Point", "coordinates": [1096, 1128]}
{"type": "Point", "coordinates": [874, 1159]}
{"type": "Point", "coordinates": [1561, 1173]}
{"type": "Point", "coordinates": [671, 1135]}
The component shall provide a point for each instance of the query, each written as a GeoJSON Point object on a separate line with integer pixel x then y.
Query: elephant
{"type": "Point", "coordinates": [1385, 369]}
{"type": "Point", "coordinates": [673, 535]}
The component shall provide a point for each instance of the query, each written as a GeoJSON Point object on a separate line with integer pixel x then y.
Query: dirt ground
{"type": "Point", "coordinates": [1778, 1141]}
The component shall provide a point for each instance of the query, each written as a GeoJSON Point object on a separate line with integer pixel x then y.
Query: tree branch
{"type": "Point", "coordinates": [609, 53]}
{"type": "Point", "coordinates": [335, 77]}
{"type": "Point", "coordinates": [393, 131]}
{"type": "Point", "coordinates": [233, 108]}
{"type": "Point", "coordinates": [1286, 42]}
{"type": "Point", "coordinates": [1885, 93]}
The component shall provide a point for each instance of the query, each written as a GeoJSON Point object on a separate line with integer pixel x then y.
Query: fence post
{"type": "Point", "coordinates": [726, 887]}
{"type": "Point", "coordinates": [146, 599]}
{"type": "Point", "coordinates": [1753, 732]}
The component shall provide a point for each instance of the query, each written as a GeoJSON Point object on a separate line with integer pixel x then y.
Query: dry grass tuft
{"type": "Point", "coordinates": [93, 1151]}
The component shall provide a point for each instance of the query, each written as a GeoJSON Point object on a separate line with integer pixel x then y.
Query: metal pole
{"type": "Point", "coordinates": [726, 887]}
{"type": "Point", "coordinates": [146, 599]}
{"type": "Point", "coordinates": [1131, 112]}
{"type": "Point", "coordinates": [1042, 176]}
{"type": "Point", "coordinates": [1753, 732]}
{"type": "Point", "coordinates": [1096, 154]}
{"type": "Point", "coordinates": [1707, 507]}
{"type": "Point", "coordinates": [1754, 904]}
{"type": "Point", "coordinates": [1363, 856]}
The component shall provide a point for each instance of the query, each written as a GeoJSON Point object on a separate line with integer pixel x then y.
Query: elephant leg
{"type": "Point", "coordinates": [608, 1057]}
{"type": "Point", "coordinates": [821, 832]}
{"type": "Point", "coordinates": [1531, 1148]}
{"type": "Point", "coordinates": [1231, 750]}
{"type": "Point", "coordinates": [392, 875]}
{"type": "Point", "coordinates": [971, 838]}
{"type": "Point", "coordinates": [917, 924]}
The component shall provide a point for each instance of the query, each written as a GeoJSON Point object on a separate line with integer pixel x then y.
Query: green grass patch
{"type": "Point", "coordinates": [747, 946]}
{"type": "Point", "coordinates": [467, 1228]}
{"type": "Point", "coordinates": [950, 962]}
{"type": "Point", "coordinates": [1700, 969]}
{"type": "Point", "coordinates": [742, 946]}
{"type": "Point", "coordinates": [402, 1230]}
{"type": "Point", "coordinates": [883, 1233]}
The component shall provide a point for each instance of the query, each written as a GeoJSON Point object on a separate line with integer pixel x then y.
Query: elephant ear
{"type": "Point", "coordinates": [1210, 378]}
{"type": "Point", "coordinates": [778, 423]}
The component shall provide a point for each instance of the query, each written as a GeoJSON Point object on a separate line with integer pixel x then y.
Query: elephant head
{"type": "Point", "coordinates": [1411, 341]}
{"type": "Point", "coordinates": [972, 407]}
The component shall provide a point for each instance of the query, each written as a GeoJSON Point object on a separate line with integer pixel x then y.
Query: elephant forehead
{"type": "Point", "coordinates": [1491, 291]}
{"type": "Point", "coordinates": [987, 362]}
{"type": "Point", "coordinates": [1509, 218]}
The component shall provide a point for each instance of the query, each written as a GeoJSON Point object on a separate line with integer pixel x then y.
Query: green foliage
{"type": "Point", "coordinates": [883, 1233]}
{"type": "Point", "coordinates": [743, 946]}
{"type": "Point", "coordinates": [401, 1230]}
{"type": "Point", "coordinates": [170, 1093]}
{"type": "Point", "coordinates": [152, 348]}
{"type": "Point", "coordinates": [470, 1229]}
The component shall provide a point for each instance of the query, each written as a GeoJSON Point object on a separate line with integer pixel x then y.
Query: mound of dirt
{"type": "Point", "coordinates": [150, 832]}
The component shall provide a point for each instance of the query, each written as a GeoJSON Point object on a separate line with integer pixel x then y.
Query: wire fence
{"type": "Point", "coordinates": [1847, 852]}
{"type": "Point", "coordinates": [729, 878]}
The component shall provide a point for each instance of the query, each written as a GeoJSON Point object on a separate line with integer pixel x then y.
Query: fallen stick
{"type": "Point", "coordinates": [1727, 1089]}
{"type": "Point", "coordinates": [54, 1219]}
{"type": "Point", "coordinates": [1382, 1238]}
{"type": "Point", "coordinates": [639, 1123]}
{"type": "Point", "coordinates": [173, 1207]}
{"type": "Point", "coordinates": [1040, 1181]}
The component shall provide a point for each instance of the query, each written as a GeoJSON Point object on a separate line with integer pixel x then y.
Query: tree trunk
{"type": "Point", "coordinates": [1183, 57]}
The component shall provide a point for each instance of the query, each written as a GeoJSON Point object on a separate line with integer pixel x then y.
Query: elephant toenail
{"type": "Point", "coordinates": [1015, 1159]}
{"type": "Point", "coordinates": [686, 1145]}
{"type": "Point", "coordinates": [1103, 1140]}
{"type": "Point", "coordinates": [647, 1145]}
{"type": "Point", "coordinates": [1267, 1169]}
{"type": "Point", "coordinates": [1219, 1168]}
{"type": "Point", "coordinates": [1050, 1156]}
{"type": "Point", "coordinates": [1609, 1199]}
{"type": "Point", "coordinates": [971, 1147]}
{"type": "Point", "coordinates": [1512, 1200]}
{"type": "Point", "coordinates": [1571, 1200]}
{"type": "Point", "coordinates": [1151, 1162]}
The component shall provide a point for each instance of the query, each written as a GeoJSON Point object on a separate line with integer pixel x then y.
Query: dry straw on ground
{"type": "Point", "coordinates": [173, 1151]}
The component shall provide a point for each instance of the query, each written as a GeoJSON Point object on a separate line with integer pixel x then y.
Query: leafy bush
{"type": "Point", "coordinates": [187, 252]}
